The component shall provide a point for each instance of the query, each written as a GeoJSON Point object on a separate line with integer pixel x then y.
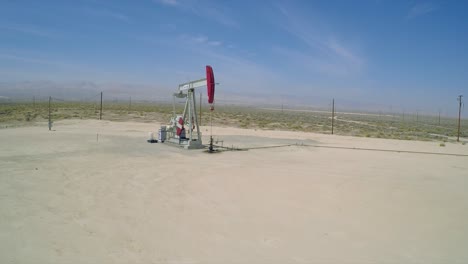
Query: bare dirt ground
{"type": "Point", "coordinates": [97, 192]}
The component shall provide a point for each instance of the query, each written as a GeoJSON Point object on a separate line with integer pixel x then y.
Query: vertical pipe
{"type": "Point", "coordinates": [50, 121]}
{"type": "Point", "coordinates": [439, 117]}
{"type": "Point", "coordinates": [459, 116]}
{"type": "Point", "coordinates": [200, 109]}
{"type": "Point", "coordinates": [190, 111]}
{"type": "Point", "coordinates": [333, 114]}
{"type": "Point", "coordinates": [211, 132]}
{"type": "Point", "coordinates": [196, 117]}
{"type": "Point", "coordinates": [100, 113]}
{"type": "Point", "coordinates": [184, 114]}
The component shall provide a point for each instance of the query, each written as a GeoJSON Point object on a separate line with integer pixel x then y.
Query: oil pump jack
{"type": "Point", "coordinates": [184, 130]}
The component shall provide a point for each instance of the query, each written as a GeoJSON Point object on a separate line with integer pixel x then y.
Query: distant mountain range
{"type": "Point", "coordinates": [90, 91]}
{"type": "Point", "coordinates": [79, 91]}
{"type": "Point", "coordinates": [118, 92]}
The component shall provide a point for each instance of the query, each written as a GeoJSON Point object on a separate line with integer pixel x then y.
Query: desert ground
{"type": "Point", "coordinates": [96, 192]}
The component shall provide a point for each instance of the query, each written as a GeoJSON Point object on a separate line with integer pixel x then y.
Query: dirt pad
{"type": "Point", "coordinates": [97, 192]}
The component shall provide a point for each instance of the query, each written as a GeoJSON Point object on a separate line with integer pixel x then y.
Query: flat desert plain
{"type": "Point", "coordinates": [97, 192]}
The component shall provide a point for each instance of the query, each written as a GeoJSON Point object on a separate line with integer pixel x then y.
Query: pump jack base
{"type": "Point", "coordinates": [185, 143]}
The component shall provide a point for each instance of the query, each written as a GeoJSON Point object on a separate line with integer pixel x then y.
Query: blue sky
{"type": "Point", "coordinates": [405, 54]}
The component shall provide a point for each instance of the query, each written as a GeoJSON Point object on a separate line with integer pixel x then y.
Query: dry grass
{"type": "Point", "coordinates": [376, 126]}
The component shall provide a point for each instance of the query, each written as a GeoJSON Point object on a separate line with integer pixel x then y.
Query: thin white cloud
{"type": "Point", "coordinates": [201, 40]}
{"type": "Point", "coordinates": [168, 2]}
{"type": "Point", "coordinates": [344, 52]}
{"type": "Point", "coordinates": [219, 14]}
{"type": "Point", "coordinates": [311, 63]}
{"type": "Point", "coordinates": [215, 43]}
{"type": "Point", "coordinates": [28, 29]}
{"type": "Point", "coordinates": [105, 13]}
{"type": "Point", "coordinates": [421, 9]}
{"type": "Point", "coordinates": [233, 70]}
{"type": "Point", "coordinates": [328, 53]}
{"type": "Point", "coordinates": [240, 75]}
{"type": "Point", "coordinates": [50, 66]}
{"type": "Point", "coordinates": [34, 60]}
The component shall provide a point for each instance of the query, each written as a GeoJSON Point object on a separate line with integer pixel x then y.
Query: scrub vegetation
{"type": "Point", "coordinates": [394, 126]}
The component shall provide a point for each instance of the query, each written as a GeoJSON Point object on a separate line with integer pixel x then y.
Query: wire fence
{"type": "Point", "coordinates": [392, 123]}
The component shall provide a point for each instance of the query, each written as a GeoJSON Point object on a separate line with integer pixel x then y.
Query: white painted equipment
{"type": "Point", "coordinates": [151, 138]}
{"type": "Point", "coordinates": [184, 130]}
{"type": "Point", "coordinates": [162, 134]}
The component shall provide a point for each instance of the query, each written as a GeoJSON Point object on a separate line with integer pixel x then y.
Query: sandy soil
{"type": "Point", "coordinates": [97, 192]}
